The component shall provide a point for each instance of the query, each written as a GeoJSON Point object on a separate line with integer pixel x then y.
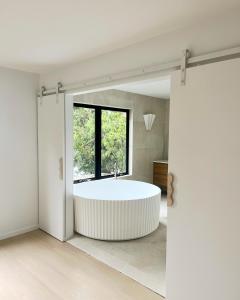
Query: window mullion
{"type": "Point", "coordinates": [127, 142]}
{"type": "Point", "coordinates": [98, 146]}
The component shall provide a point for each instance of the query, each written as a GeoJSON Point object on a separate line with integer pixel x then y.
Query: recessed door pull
{"type": "Point", "coordinates": [61, 168]}
{"type": "Point", "coordinates": [170, 190]}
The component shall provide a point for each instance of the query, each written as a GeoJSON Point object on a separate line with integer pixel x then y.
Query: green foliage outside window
{"type": "Point", "coordinates": [84, 142]}
{"type": "Point", "coordinates": [113, 142]}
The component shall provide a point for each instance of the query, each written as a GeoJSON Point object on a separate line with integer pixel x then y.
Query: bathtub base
{"type": "Point", "coordinates": [116, 220]}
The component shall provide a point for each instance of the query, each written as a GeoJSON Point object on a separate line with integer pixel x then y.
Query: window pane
{"type": "Point", "coordinates": [83, 143]}
{"type": "Point", "coordinates": [114, 138]}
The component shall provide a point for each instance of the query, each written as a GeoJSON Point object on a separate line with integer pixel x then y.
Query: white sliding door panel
{"type": "Point", "coordinates": [51, 149]}
{"type": "Point", "coordinates": [203, 250]}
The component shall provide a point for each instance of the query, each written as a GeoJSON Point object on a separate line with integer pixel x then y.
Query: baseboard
{"type": "Point", "coordinates": [18, 232]}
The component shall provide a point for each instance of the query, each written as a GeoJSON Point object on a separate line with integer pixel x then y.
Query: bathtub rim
{"type": "Point", "coordinates": [158, 191]}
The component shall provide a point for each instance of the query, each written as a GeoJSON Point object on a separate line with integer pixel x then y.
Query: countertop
{"type": "Point", "coordinates": [161, 161]}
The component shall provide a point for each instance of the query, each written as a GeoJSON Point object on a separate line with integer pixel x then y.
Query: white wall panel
{"type": "Point", "coordinates": [206, 36]}
{"type": "Point", "coordinates": [18, 153]}
{"type": "Point", "coordinates": [51, 150]}
{"type": "Point", "coordinates": [203, 226]}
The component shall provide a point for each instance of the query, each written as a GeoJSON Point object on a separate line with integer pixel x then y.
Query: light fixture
{"type": "Point", "coordinates": [149, 119]}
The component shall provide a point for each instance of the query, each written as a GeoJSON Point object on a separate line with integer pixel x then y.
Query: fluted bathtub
{"type": "Point", "coordinates": [116, 209]}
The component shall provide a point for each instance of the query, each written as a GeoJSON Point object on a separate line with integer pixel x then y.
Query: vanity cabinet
{"type": "Point", "coordinates": [160, 171]}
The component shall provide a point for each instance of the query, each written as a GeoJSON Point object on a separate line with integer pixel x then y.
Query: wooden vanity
{"type": "Point", "coordinates": [160, 171]}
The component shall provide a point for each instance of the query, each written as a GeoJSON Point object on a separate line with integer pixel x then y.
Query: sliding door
{"type": "Point", "coordinates": [203, 227]}
{"type": "Point", "coordinates": [51, 153]}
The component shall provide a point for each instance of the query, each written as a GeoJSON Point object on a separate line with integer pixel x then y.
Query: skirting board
{"type": "Point", "coordinates": [18, 232]}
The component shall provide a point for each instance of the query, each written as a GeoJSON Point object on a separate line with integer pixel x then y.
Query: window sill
{"type": "Point", "coordinates": [108, 178]}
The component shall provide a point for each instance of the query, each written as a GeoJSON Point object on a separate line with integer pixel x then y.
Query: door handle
{"type": "Point", "coordinates": [61, 168]}
{"type": "Point", "coordinates": [170, 190]}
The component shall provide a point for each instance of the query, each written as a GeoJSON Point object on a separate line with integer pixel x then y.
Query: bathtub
{"type": "Point", "coordinates": [116, 209]}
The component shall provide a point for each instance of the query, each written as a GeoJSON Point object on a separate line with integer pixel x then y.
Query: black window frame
{"type": "Point", "coordinates": [98, 143]}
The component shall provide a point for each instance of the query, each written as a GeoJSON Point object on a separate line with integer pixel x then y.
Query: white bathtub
{"type": "Point", "coordinates": [116, 209]}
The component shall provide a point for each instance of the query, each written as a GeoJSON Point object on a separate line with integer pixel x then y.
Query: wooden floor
{"type": "Point", "coordinates": [35, 266]}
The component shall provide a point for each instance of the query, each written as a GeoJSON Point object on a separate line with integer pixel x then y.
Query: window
{"type": "Point", "coordinates": [100, 141]}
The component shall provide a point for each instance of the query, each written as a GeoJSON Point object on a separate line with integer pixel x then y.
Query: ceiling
{"type": "Point", "coordinates": [40, 36]}
{"type": "Point", "coordinates": [158, 88]}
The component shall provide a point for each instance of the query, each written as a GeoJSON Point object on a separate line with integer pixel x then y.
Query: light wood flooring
{"type": "Point", "coordinates": [35, 266]}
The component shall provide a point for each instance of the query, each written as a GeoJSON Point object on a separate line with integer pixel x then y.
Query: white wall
{"type": "Point", "coordinates": [18, 152]}
{"type": "Point", "coordinates": [210, 35]}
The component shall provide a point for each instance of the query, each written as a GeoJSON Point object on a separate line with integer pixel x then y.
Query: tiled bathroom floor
{"type": "Point", "coordinates": [143, 259]}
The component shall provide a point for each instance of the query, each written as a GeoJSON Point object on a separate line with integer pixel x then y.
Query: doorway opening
{"type": "Point", "coordinates": [122, 132]}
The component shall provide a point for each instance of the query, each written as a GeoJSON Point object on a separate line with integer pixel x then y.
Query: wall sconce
{"type": "Point", "coordinates": [149, 119]}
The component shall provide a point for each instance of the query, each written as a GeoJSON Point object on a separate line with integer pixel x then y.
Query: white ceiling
{"type": "Point", "coordinates": [42, 35]}
{"type": "Point", "coordinates": [159, 88]}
